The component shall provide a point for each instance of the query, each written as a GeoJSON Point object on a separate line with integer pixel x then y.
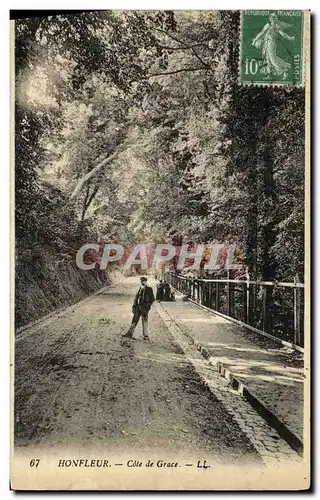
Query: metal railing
{"type": "Point", "coordinates": [276, 308]}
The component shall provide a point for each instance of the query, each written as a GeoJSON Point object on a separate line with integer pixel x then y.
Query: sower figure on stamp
{"type": "Point", "coordinates": [141, 307]}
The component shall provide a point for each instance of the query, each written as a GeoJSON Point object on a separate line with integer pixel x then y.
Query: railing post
{"type": "Point", "coordinates": [296, 312]}
{"type": "Point", "coordinates": [228, 294]}
{"type": "Point", "coordinates": [217, 296]}
{"type": "Point", "coordinates": [247, 298]}
{"type": "Point", "coordinates": [205, 294]}
{"type": "Point", "coordinates": [264, 307]}
{"type": "Point", "coordinates": [245, 303]}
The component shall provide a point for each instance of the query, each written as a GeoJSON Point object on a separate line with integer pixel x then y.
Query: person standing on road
{"type": "Point", "coordinates": [159, 294]}
{"type": "Point", "coordinates": [141, 307]}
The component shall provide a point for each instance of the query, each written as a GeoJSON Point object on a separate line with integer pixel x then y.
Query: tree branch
{"type": "Point", "coordinates": [181, 41]}
{"type": "Point", "coordinates": [186, 46]}
{"type": "Point", "coordinates": [92, 172]}
{"type": "Point", "coordinates": [84, 207]}
{"type": "Point", "coordinates": [94, 192]}
{"type": "Point", "coordinates": [177, 71]}
{"type": "Point", "coordinates": [200, 59]}
{"type": "Point", "coordinates": [102, 164]}
{"type": "Point", "coordinates": [182, 48]}
{"type": "Point", "coordinates": [88, 200]}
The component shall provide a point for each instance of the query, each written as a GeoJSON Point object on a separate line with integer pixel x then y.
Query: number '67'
{"type": "Point", "coordinates": [34, 462]}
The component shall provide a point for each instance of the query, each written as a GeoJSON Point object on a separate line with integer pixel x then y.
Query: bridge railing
{"type": "Point", "coordinates": [276, 308]}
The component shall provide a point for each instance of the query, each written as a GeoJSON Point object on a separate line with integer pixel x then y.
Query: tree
{"type": "Point", "coordinates": [135, 124]}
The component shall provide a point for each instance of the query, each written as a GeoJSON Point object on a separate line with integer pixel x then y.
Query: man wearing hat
{"type": "Point", "coordinates": [141, 307]}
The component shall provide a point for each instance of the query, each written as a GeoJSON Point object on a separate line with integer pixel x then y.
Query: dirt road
{"type": "Point", "coordinates": [79, 384]}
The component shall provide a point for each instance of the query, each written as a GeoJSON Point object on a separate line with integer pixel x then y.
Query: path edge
{"type": "Point", "coordinates": [257, 404]}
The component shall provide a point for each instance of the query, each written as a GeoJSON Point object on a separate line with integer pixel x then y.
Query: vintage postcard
{"type": "Point", "coordinates": [160, 250]}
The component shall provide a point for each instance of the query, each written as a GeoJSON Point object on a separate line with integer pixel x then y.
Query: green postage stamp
{"type": "Point", "coordinates": [271, 47]}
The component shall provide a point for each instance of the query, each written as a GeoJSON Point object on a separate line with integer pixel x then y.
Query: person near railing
{"type": "Point", "coordinates": [159, 294]}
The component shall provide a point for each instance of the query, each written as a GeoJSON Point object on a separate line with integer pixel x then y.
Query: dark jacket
{"type": "Point", "coordinates": [159, 294]}
{"type": "Point", "coordinates": [145, 300]}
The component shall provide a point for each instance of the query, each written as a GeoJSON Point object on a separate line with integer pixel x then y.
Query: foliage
{"type": "Point", "coordinates": [131, 126]}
